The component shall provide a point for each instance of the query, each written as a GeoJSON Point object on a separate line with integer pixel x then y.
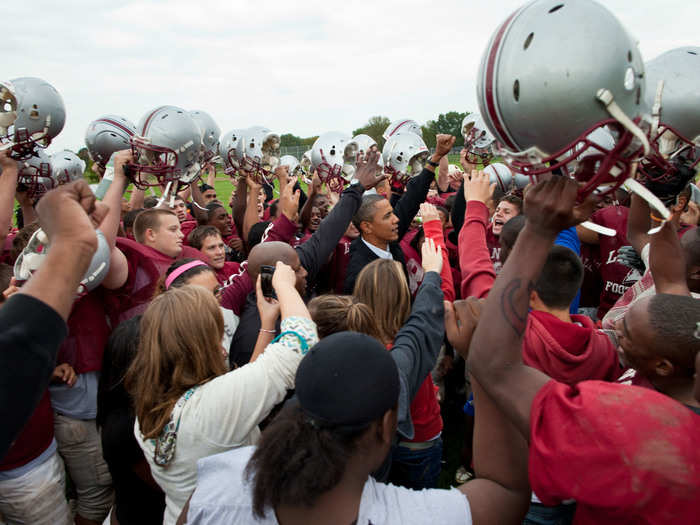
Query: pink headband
{"type": "Point", "coordinates": [177, 272]}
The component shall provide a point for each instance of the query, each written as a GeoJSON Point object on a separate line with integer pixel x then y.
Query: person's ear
{"type": "Point", "coordinates": [534, 299]}
{"type": "Point", "coordinates": [663, 368]}
{"type": "Point", "coordinates": [150, 235]}
{"type": "Point", "coordinates": [365, 227]}
{"type": "Point", "coordinates": [387, 427]}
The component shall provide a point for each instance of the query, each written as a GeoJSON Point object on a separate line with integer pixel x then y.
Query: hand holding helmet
{"type": "Point", "coordinates": [550, 206]}
{"type": "Point", "coordinates": [366, 170]}
{"type": "Point", "coordinates": [478, 187]}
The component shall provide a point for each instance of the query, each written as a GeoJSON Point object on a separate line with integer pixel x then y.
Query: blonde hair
{"type": "Point", "coordinates": [338, 313]}
{"type": "Point", "coordinates": [180, 347]}
{"type": "Point", "coordinates": [383, 287]}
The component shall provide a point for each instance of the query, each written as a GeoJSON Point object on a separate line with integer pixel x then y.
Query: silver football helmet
{"type": "Point", "coordinates": [210, 135]}
{"type": "Point", "coordinates": [364, 143]}
{"type": "Point", "coordinates": [540, 102]}
{"type": "Point", "coordinates": [402, 126]}
{"type": "Point", "coordinates": [478, 140]}
{"type": "Point", "coordinates": [107, 135]}
{"type": "Point", "coordinates": [673, 94]}
{"type": "Point", "coordinates": [333, 157]}
{"type": "Point", "coordinates": [292, 163]}
{"type": "Point", "coordinates": [166, 149]}
{"type": "Point", "coordinates": [34, 254]}
{"type": "Point", "coordinates": [404, 155]}
{"type": "Point", "coordinates": [227, 151]}
{"type": "Point", "coordinates": [66, 167]}
{"type": "Point", "coordinates": [257, 152]}
{"type": "Point", "coordinates": [34, 175]}
{"type": "Point", "coordinates": [501, 175]}
{"type": "Point", "coordinates": [32, 113]}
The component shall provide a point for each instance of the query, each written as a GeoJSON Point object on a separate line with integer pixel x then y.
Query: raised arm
{"type": "Point", "coordinates": [251, 217]}
{"type": "Point", "coordinates": [418, 342]}
{"type": "Point", "coordinates": [475, 263]}
{"type": "Point", "coordinates": [8, 185]}
{"type": "Point", "coordinates": [667, 261]}
{"type": "Point", "coordinates": [118, 266]}
{"type": "Point", "coordinates": [495, 355]}
{"type": "Point", "coordinates": [432, 228]}
{"type": "Point", "coordinates": [418, 187]}
{"type": "Point", "coordinates": [314, 189]}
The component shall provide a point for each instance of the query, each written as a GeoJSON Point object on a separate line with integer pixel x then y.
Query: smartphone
{"type": "Point", "coordinates": [266, 281]}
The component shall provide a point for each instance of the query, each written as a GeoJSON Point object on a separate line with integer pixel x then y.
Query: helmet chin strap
{"type": "Point", "coordinates": [634, 186]}
{"type": "Point", "coordinates": [166, 193]}
{"type": "Point", "coordinates": [605, 97]}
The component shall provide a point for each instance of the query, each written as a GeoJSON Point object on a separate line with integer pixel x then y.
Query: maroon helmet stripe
{"type": "Point", "coordinates": [148, 120]}
{"type": "Point", "coordinates": [489, 91]}
{"type": "Point", "coordinates": [397, 127]}
{"type": "Point", "coordinates": [118, 125]}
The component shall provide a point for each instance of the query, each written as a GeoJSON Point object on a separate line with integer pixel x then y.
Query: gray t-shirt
{"type": "Point", "coordinates": [223, 496]}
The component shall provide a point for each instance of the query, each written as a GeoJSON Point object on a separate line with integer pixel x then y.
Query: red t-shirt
{"type": "Point", "coordinates": [616, 277]}
{"type": "Point", "coordinates": [186, 228]}
{"type": "Point", "coordinates": [339, 264]}
{"type": "Point", "coordinates": [627, 455]}
{"type": "Point", "coordinates": [146, 266]}
{"type": "Point", "coordinates": [88, 332]}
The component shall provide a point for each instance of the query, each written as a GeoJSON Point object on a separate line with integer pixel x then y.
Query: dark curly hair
{"type": "Point", "coordinates": [296, 461]}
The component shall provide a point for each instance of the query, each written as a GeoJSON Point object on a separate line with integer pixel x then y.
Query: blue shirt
{"type": "Point", "coordinates": [569, 239]}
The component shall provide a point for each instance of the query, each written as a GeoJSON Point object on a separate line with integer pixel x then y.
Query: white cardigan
{"type": "Point", "coordinates": [224, 413]}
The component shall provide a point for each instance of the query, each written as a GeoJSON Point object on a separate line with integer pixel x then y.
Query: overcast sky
{"type": "Point", "coordinates": [296, 67]}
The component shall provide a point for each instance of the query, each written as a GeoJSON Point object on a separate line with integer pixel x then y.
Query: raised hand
{"type": "Point", "coordinates": [284, 277]}
{"type": "Point", "coordinates": [444, 144]}
{"type": "Point", "coordinates": [268, 307]}
{"type": "Point", "coordinates": [550, 206]}
{"type": "Point", "coordinates": [366, 170]}
{"type": "Point", "coordinates": [70, 214]}
{"type": "Point", "coordinates": [428, 212]}
{"type": "Point", "coordinates": [477, 187]}
{"type": "Point", "coordinates": [289, 200]}
{"type": "Point", "coordinates": [431, 256]}
{"type": "Point", "coordinates": [461, 319]}
{"type": "Point", "coordinates": [466, 165]}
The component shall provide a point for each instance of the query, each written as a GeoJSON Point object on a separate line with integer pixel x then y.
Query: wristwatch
{"type": "Point", "coordinates": [431, 163]}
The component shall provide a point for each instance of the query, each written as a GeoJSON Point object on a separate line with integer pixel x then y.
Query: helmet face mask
{"type": "Point", "coordinates": [404, 156]}
{"type": "Point", "coordinates": [333, 158]}
{"type": "Point", "coordinates": [34, 176]}
{"type": "Point", "coordinates": [257, 152]}
{"type": "Point", "coordinates": [32, 114]}
{"type": "Point", "coordinates": [166, 150]}
{"type": "Point", "coordinates": [478, 141]}
{"type": "Point", "coordinates": [227, 151]}
{"type": "Point", "coordinates": [674, 100]}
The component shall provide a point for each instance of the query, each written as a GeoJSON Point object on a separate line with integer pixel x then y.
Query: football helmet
{"type": "Point", "coordinates": [674, 98]}
{"type": "Point", "coordinates": [295, 169]}
{"type": "Point", "coordinates": [402, 126]}
{"type": "Point", "coordinates": [401, 152]}
{"type": "Point", "coordinates": [541, 104]}
{"type": "Point", "coordinates": [333, 158]}
{"type": "Point", "coordinates": [501, 175]}
{"type": "Point", "coordinates": [66, 167]}
{"type": "Point", "coordinates": [364, 143]}
{"type": "Point", "coordinates": [210, 135]}
{"type": "Point", "coordinates": [107, 135]}
{"type": "Point", "coordinates": [227, 151]}
{"type": "Point", "coordinates": [166, 149]}
{"type": "Point", "coordinates": [478, 140]}
{"type": "Point", "coordinates": [34, 175]}
{"type": "Point", "coordinates": [34, 254]}
{"type": "Point", "coordinates": [257, 152]}
{"type": "Point", "coordinates": [32, 113]}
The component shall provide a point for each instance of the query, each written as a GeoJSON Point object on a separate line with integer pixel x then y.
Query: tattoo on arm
{"type": "Point", "coordinates": [512, 307]}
